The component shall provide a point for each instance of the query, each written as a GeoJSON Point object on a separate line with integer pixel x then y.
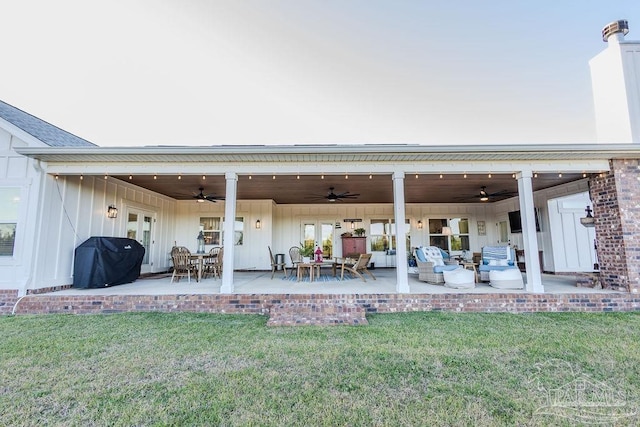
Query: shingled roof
{"type": "Point", "coordinates": [43, 131]}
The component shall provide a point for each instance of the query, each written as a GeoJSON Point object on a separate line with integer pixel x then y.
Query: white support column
{"type": "Point", "coordinates": [402, 274]}
{"type": "Point", "coordinates": [527, 213]}
{"type": "Point", "coordinates": [229, 230]}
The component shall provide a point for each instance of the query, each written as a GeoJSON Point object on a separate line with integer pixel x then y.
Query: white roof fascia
{"type": "Point", "coordinates": [331, 158]}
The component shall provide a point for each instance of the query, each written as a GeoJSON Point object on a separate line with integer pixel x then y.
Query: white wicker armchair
{"type": "Point", "coordinates": [427, 271]}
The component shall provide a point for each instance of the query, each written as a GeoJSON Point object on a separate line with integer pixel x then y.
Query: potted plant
{"type": "Point", "coordinates": [359, 232]}
{"type": "Point", "coordinates": [307, 252]}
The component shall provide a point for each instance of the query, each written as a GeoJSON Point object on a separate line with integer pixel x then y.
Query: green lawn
{"type": "Point", "coordinates": [403, 369]}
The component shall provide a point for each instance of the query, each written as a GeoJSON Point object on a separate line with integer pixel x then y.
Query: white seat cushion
{"type": "Point", "coordinates": [459, 278]}
{"type": "Point", "coordinates": [506, 279]}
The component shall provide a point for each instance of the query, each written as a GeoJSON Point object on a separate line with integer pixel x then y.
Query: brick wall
{"type": "Point", "coordinates": [8, 298]}
{"type": "Point", "coordinates": [617, 223]}
{"type": "Point", "coordinates": [305, 309]}
{"type": "Point", "coordinates": [627, 175]}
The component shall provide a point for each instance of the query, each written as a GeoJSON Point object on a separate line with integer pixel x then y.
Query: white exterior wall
{"type": "Point", "coordinates": [548, 237]}
{"type": "Point", "coordinates": [573, 250]}
{"type": "Point", "coordinates": [253, 253]}
{"type": "Point", "coordinates": [291, 217]}
{"type": "Point", "coordinates": [615, 77]}
{"type": "Point", "coordinates": [56, 215]}
{"type": "Point", "coordinates": [19, 172]}
{"type": "Point", "coordinates": [74, 210]}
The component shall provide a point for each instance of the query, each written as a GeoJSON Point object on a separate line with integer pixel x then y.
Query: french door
{"type": "Point", "coordinates": [140, 228]}
{"type": "Point", "coordinates": [502, 230]}
{"type": "Point", "coordinates": [319, 233]}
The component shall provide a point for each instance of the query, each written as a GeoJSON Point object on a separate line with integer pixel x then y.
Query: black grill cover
{"type": "Point", "coordinates": [107, 261]}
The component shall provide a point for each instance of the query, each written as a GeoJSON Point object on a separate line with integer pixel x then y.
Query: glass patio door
{"type": "Point", "coordinates": [502, 231]}
{"type": "Point", "coordinates": [319, 233]}
{"type": "Point", "coordinates": [139, 227]}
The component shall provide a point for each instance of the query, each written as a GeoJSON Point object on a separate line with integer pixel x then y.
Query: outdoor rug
{"type": "Point", "coordinates": [322, 278]}
{"type": "Point", "coordinates": [154, 276]}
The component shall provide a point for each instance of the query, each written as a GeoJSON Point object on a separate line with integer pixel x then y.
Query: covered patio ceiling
{"type": "Point", "coordinates": [371, 188]}
{"type": "Point", "coordinates": [304, 174]}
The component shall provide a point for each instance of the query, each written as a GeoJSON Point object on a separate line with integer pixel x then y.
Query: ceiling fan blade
{"type": "Point", "coordinates": [213, 199]}
{"type": "Point", "coordinates": [503, 193]}
{"type": "Point", "coordinates": [347, 195]}
{"type": "Point", "coordinates": [468, 197]}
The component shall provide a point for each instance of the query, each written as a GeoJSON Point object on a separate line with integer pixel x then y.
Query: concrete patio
{"type": "Point", "coordinates": [260, 282]}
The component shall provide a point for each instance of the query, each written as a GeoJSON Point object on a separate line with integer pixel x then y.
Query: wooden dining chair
{"type": "Point", "coordinates": [275, 265]}
{"type": "Point", "coordinates": [182, 266]}
{"type": "Point", "coordinates": [217, 265]}
{"type": "Point", "coordinates": [296, 256]}
{"type": "Point", "coordinates": [210, 261]}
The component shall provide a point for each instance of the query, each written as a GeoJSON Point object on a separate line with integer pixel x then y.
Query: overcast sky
{"type": "Point", "coordinates": [197, 72]}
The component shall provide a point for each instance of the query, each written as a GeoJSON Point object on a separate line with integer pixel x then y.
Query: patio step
{"type": "Point", "coordinates": [300, 313]}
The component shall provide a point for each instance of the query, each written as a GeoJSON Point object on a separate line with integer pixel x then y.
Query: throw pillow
{"type": "Point", "coordinates": [493, 262]}
{"type": "Point", "coordinates": [503, 262]}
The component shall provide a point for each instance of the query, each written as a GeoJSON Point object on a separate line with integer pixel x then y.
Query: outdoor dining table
{"type": "Point", "coordinates": [199, 260]}
{"type": "Point", "coordinates": [314, 268]}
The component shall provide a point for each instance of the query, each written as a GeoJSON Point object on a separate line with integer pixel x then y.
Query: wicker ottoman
{"type": "Point", "coordinates": [506, 279]}
{"type": "Point", "coordinates": [460, 278]}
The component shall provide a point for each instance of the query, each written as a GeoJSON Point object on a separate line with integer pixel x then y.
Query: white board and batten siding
{"type": "Point", "coordinates": [253, 253]}
{"type": "Point", "coordinates": [574, 251]}
{"type": "Point", "coordinates": [18, 172]}
{"type": "Point", "coordinates": [75, 209]}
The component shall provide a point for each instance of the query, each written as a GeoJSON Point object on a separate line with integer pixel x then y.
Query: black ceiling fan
{"type": "Point", "coordinates": [201, 197]}
{"type": "Point", "coordinates": [333, 197]}
{"type": "Point", "coordinates": [485, 196]}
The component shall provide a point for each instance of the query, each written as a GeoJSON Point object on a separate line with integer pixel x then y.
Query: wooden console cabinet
{"type": "Point", "coordinates": [354, 246]}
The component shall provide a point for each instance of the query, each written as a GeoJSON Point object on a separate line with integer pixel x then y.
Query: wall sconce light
{"type": "Point", "coordinates": [353, 225]}
{"type": "Point", "coordinates": [258, 224]}
{"type": "Point", "coordinates": [446, 231]}
{"type": "Point", "coordinates": [112, 212]}
{"type": "Point", "coordinates": [419, 225]}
